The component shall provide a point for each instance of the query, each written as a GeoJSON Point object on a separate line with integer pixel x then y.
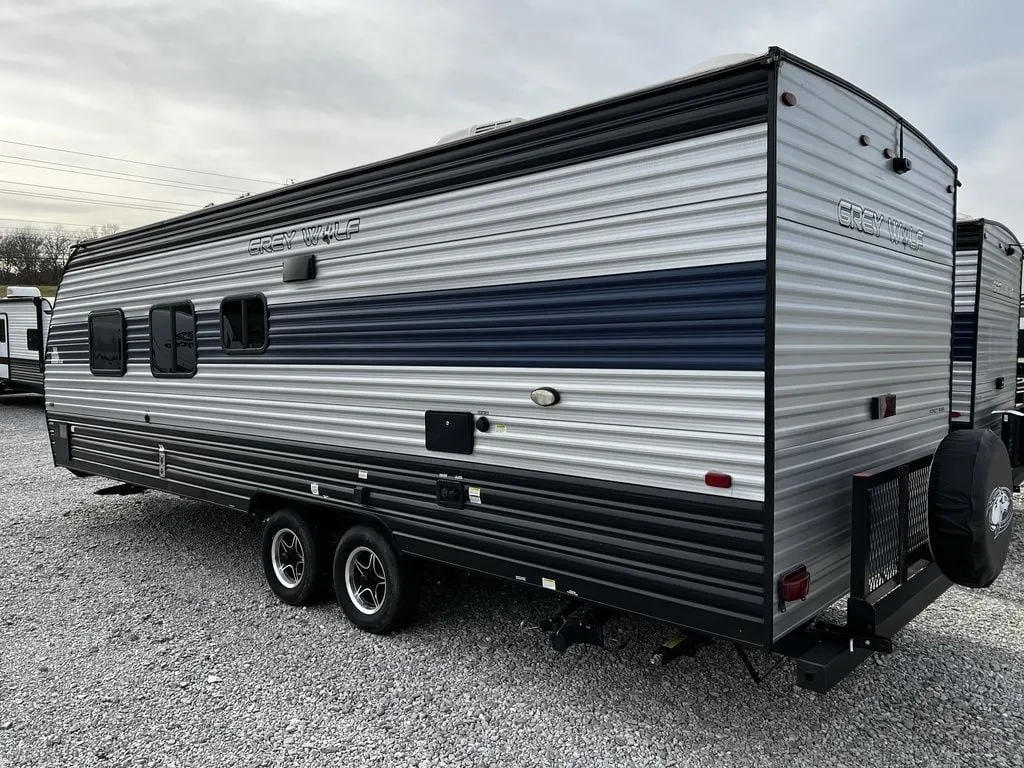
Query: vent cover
{"type": "Point", "coordinates": [478, 129]}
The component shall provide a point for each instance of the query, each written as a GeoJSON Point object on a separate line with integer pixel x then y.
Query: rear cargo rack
{"type": "Point", "coordinates": [892, 576]}
{"type": "Point", "coordinates": [889, 528]}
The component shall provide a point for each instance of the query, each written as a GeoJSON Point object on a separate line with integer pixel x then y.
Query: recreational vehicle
{"type": "Point", "coordinates": [1020, 353]}
{"type": "Point", "coordinates": [986, 322]}
{"type": "Point", "coordinates": [24, 322]}
{"type": "Point", "coordinates": [683, 353]}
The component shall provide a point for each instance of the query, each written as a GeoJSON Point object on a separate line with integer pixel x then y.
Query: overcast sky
{"type": "Point", "coordinates": [278, 89]}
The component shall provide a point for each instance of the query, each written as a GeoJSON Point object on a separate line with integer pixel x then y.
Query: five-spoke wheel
{"type": "Point", "coordinates": [292, 558]}
{"type": "Point", "coordinates": [375, 588]}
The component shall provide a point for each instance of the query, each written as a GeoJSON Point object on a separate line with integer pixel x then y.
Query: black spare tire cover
{"type": "Point", "coordinates": [970, 507]}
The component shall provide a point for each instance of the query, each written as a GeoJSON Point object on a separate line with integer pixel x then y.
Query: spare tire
{"type": "Point", "coordinates": [970, 507]}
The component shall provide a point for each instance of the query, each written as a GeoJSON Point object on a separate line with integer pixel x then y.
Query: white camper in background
{"type": "Point", "coordinates": [1020, 352]}
{"type": "Point", "coordinates": [986, 322]}
{"type": "Point", "coordinates": [682, 353]}
{"type": "Point", "coordinates": [24, 326]}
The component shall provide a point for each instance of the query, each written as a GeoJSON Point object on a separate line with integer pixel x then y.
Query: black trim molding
{"type": "Point", "coordinates": [689, 559]}
{"type": "Point", "coordinates": [729, 98]}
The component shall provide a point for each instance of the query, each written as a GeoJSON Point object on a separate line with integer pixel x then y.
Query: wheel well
{"type": "Point", "coordinates": [333, 519]}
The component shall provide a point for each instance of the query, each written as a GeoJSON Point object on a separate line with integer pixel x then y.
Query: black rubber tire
{"type": "Point", "coordinates": [970, 507]}
{"type": "Point", "coordinates": [400, 595]}
{"type": "Point", "coordinates": [312, 579]}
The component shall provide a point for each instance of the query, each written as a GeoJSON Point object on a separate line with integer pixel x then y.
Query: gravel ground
{"type": "Point", "coordinates": [138, 631]}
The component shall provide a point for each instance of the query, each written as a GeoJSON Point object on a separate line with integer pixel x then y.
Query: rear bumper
{"type": "Point", "coordinates": [821, 664]}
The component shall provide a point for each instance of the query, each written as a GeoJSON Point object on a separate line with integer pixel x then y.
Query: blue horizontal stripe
{"type": "Point", "coordinates": [697, 318]}
{"type": "Point", "coordinates": [963, 337]}
{"type": "Point", "coordinates": [710, 317]}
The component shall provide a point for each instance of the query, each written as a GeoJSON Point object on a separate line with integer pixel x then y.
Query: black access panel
{"type": "Point", "coordinates": [449, 432]}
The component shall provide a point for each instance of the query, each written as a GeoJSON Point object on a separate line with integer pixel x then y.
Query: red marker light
{"type": "Point", "coordinates": [794, 585]}
{"type": "Point", "coordinates": [718, 480]}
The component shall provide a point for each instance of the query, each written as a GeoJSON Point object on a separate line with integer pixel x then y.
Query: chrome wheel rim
{"type": "Point", "coordinates": [365, 580]}
{"type": "Point", "coordinates": [288, 558]}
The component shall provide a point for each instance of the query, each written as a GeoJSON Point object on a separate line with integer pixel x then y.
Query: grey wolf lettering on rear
{"type": "Point", "coordinates": [335, 230]}
{"type": "Point", "coordinates": [339, 230]}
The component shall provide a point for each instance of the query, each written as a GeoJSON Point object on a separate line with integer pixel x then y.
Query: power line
{"type": "Point", "coordinates": [101, 203]}
{"type": "Point", "coordinates": [42, 221]}
{"type": "Point", "coordinates": [139, 162]}
{"type": "Point", "coordinates": [92, 192]}
{"type": "Point", "coordinates": [121, 175]}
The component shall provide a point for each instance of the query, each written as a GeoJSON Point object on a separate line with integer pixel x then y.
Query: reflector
{"type": "Point", "coordinates": [718, 480]}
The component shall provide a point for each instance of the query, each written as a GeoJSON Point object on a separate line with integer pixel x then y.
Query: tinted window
{"type": "Point", "coordinates": [1020, 343]}
{"type": "Point", "coordinates": [185, 339]}
{"type": "Point", "coordinates": [243, 323]}
{"type": "Point", "coordinates": [3, 330]}
{"type": "Point", "coordinates": [172, 340]}
{"type": "Point", "coordinates": [33, 339]}
{"type": "Point", "coordinates": [107, 354]}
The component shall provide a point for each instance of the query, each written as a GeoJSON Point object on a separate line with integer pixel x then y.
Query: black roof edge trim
{"type": "Point", "coordinates": [784, 55]}
{"type": "Point", "coordinates": [762, 61]}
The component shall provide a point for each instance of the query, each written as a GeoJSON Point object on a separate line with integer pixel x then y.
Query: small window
{"type": "Point", "coordinates": [3, 330]}
{"type": "Point", "coordinates": [33, 339]}
{"type": "Point", "coordinates": [107, 353]}
{"type": "Point", "coordinates": [172, 340]}
{"type": "Point", "coordinates": [243, 324]}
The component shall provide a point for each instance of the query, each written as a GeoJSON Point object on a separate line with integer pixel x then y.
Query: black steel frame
{"type": "Point", "coordinates": [826, 652]}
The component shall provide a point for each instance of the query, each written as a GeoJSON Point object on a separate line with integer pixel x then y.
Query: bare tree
{"type": "Point", "coordinates": [37, 258]}
{"type": "Point", "coordinates": [19, 252]}
{"type": "Point", "coordinates": [53, 254]}
{"type": "Point", "coordinates": [91, 233]}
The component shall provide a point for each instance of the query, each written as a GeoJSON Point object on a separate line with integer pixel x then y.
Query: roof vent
{"type": "Point", "coordinates": [22, 292]}
{"type": "Point", "coordinates": [478, 129]}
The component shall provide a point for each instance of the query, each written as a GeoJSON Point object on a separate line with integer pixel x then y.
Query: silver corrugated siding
{"type": "Point", "coordinates": [857, 315]}
{"type": "Point", "coordinates": [964, 290]}
{"type": "Point", "coordinates": [21, 316]}
{"type": "Point", "coordinates": [998, 321]}
{"type": "Point", "coordinates": [693, 203]}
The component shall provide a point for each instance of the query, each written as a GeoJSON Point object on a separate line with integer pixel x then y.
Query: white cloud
{"type": "Point", "coordinates": [277, 89]}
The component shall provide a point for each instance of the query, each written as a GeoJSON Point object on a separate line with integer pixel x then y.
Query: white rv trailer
{"type": "Point", "coordinates": [986, 322]}
{"type": "Point", "coordinates": [24, 323]}
{"type": "Point", "coordinates": [1020, 352]}
{"type": "Point", "coordinates": [682, 353]}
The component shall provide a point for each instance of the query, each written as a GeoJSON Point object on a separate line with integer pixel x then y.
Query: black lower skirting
{"type": "Point", "coordinates": [692, 560]}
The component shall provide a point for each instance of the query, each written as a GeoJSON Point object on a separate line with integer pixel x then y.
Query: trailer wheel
{"type": "Point", "coordinates": [970, 507]}
{"type": "Point", "coordinates": [375, 589]}
{"type": "Point", "coordinates": [291, 558]}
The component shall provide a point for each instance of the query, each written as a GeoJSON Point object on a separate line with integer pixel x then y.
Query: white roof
{"type": "Point", "coordinates": [22, 291]}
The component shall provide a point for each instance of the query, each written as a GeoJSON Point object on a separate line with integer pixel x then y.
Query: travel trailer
{"type": "Point", "coordinates": [683, 353]}
{"type": "Point", "coordinates": [986, 322]}
{"type": "Point", "coordinates": [24, 322]}
{"type": "Point", "coordinates": [1020, 355]}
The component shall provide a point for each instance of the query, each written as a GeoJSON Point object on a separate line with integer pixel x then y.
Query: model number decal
{"type": "Point", "coordinates": [874, 223]}
{"type": "Point", "coordinates": [1004, 290]}
{"type": "Point", "coordinates": [341, 229]}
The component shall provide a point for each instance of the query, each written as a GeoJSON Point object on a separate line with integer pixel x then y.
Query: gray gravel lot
{"type": "Point", "coordinates": [139, 631]}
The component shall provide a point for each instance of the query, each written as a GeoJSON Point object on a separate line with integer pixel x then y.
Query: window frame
{"type": "Point", "coordinates": [124, 344]}
{"type": "Point", "coordinates": [245, 323]}
{"type": "Point", "coordinates": [171, 306]}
